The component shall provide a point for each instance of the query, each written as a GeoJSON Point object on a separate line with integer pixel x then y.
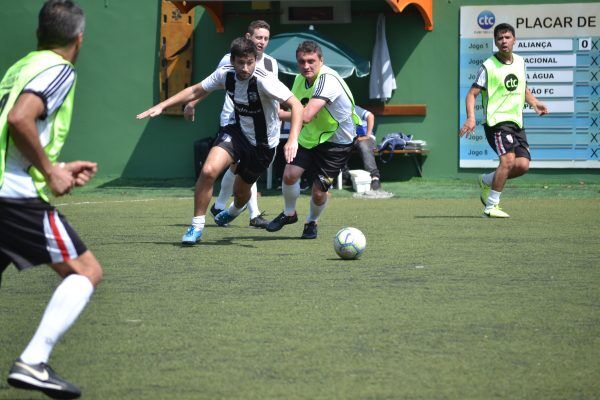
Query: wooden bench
{"type": "Point", "coordinates": [416, 154]}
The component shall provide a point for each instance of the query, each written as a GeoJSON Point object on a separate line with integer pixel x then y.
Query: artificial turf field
{"type": "Point", "coordinates": [442, 305]}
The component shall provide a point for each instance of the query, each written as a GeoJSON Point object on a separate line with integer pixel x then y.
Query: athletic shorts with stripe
{"type": "Point", "coordinates": [507, 137]}
{"type": "Point", "coordinates": [252, 161]}
{"type": "Point", "coordinates": [33, 232]}
{"type": "Point", "coordinates": [323, 162]}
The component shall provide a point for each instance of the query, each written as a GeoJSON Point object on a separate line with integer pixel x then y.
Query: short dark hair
{"type": "Point", "coordinates": [59, 23]}
{"type": "Point", "coordinates": [243, 47]}
{"type": "Point", "coordinates": [503, 27]}
{"type": "Point", "coordinates": [309, 46]}
{"type": "Point", "coordinates": [258, 24]}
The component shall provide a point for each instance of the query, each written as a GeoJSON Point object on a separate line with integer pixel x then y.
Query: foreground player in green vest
{"type": "Point", "coordinates": [36, 105]}
{"type": "Point", "coordinates": [501, 79]}
{"type": "Point", "coordinates": [326, 140]}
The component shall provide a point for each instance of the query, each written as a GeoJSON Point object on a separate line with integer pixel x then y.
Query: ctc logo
{"type": "Point", "coordinates": [511, 82]}
{"type": "Point", "coordinates": [486, 19]}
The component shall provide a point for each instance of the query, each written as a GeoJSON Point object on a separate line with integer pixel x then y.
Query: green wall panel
{"type": "Point", "coordinates": [118, 74]}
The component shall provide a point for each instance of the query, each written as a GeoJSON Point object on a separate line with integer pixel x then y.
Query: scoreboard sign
{"type": "Point", "coordinates": [561, 47]}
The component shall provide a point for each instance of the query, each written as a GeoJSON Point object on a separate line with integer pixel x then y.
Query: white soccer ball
{"type": "Point", "coordinates": [349, 243]}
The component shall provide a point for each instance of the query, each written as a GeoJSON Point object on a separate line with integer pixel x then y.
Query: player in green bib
{"type": "Point", "coordinates": [501, 80]}
{"type": "Point", "coordinates": [325, 142]}
{"type": "Point", "coordinates": [36, 104]}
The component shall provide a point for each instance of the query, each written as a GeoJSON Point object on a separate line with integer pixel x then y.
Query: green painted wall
{"type": "Point", "coordinates": [118, 75]}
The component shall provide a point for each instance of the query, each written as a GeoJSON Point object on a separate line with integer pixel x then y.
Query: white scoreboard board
{"type": "Point", "coordinates": [561, 47]}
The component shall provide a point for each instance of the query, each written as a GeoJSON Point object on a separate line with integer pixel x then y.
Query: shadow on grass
{"type": "Point", "coordinates": [268, 237]}
{"type": "Point", "coordinates": [241, 241]}
{"type": "Point", "coordinates": [447, 216]}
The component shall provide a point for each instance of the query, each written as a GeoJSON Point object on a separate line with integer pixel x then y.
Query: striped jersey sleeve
{"type": "Point", "coordinates": [216, 80]}
{"type": "Point", "coordinates": [327, 88]}
{"type": "Point", "coordinates": [481, 79]}
{"type": "Point", "coordinates": [52, 86]}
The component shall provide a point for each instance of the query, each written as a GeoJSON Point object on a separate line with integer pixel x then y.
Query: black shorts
{"type": "Point", "coordinates": [507, 137]}
{"type": "Point", "coordinates": [252, 161]}
{"type": "Point", "coordinates": [33, 232]}
{"type": "Point", "coordinates": [323, 162]}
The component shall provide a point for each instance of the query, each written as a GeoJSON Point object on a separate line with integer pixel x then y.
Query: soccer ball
{"type": "Point", "coordinates": [349, 243]}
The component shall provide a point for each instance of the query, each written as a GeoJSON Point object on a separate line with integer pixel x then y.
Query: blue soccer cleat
{"type": "Point", "coordinates": [224, 218]}
{"type": "Point", "coordinates": [191, 236]}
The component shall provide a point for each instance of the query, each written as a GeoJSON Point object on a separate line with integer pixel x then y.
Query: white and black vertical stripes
{"type": "Point", "coordinates": [253, 109]}
{"type": "Point", "coordinates": [320, 85]}
{"type": "Point", "coordinates": [57, 82]}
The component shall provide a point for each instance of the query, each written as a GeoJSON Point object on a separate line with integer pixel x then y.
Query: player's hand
{"type": "Point", "coordinates": [290, 149]}
{"type": "Point", "coordinates": [189, 112]}
{"type": "Point", "coordinates": [82, 171]}
{"type": "Point", "coordinates": [151, 112]}
{"type": "Point", "coordinates": [60, 180]}
{"type": "Point", "coordinates": [468, 127]}
{"type": "Point", "coordinates": [540, 108]}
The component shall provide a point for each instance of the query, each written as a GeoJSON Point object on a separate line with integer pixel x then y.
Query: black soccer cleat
{"type": "Point", "coordinates": [280, 221]}
{"type": "Point", "coordinates": [375, 184]}
{"type": "Point", "coordinates": [310, 230]}
{"type": "Point", "coordinates": [259, 222]}
{"type": "Point", "coordinates": [214, 210]}
{"type": "Point", "coordinates": [41, 377]}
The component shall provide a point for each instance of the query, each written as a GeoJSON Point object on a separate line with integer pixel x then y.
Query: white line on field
{"type": "Point", "coordinates": [118, 201]}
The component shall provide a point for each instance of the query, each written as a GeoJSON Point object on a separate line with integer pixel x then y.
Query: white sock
{"type": "Point", "coordinates": [315, 210]}
{"type": "Point", "coordinates": [226, 190]}
{"type": "Point", "coordinates": [67, 302]}
{"type": "Point", "coordinates": [494, 199]}
{"type": "Point", "coordinates": [488, 178]}
{"type": "Point", "coordinates": [290, 195]}
{"type": "Point", "coordinates": [253, 202]}
{"type": "Point", "coordinates": [234, 211]}
{"type": "Point", "coordinates": [198, 221]}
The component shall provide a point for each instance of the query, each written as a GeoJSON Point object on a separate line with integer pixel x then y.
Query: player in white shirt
{"type": "Point", "coordinates": [250, 142]}
{"type": "Point", "coordinates": [259, 32]}
{"type": "Point", "coordinates": [326, 140]}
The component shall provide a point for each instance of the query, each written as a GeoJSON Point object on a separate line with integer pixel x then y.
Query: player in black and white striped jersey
{"type": "Point", "coordinates": [250, 141]}
{"type": "Point", "coordinates": [259, 32]}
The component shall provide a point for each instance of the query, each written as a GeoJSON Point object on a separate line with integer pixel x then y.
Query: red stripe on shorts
{"type": "Point", "coordinates": [499, 145]}
{"type": "Point", "coordinates": [59, 240]}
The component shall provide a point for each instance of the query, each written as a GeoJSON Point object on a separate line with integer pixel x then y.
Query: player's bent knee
{"type": "Point", "coordinates": [209, 173]}
{"type": "Point", "coordinates": [523, 166]}
{"type": "Point", "coordinates": [507, 163]}
{"type": "Point", "coordinates": [319, 197]}
{"type": "Point", "coordinates": [86, 265]}
{"type": "Point", "coordinates": [290, 178]}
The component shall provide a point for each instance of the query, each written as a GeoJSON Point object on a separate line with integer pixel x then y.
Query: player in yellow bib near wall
{"type": "Point", "coordinates": [501, 81]}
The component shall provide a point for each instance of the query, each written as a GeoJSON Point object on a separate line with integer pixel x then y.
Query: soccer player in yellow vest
{"type": "Point", "coordinates": [36, 105]}
{"type": "Point", "coordinates": [326, 140]}
{"type": "Point", "coordinates": [501, 80]}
